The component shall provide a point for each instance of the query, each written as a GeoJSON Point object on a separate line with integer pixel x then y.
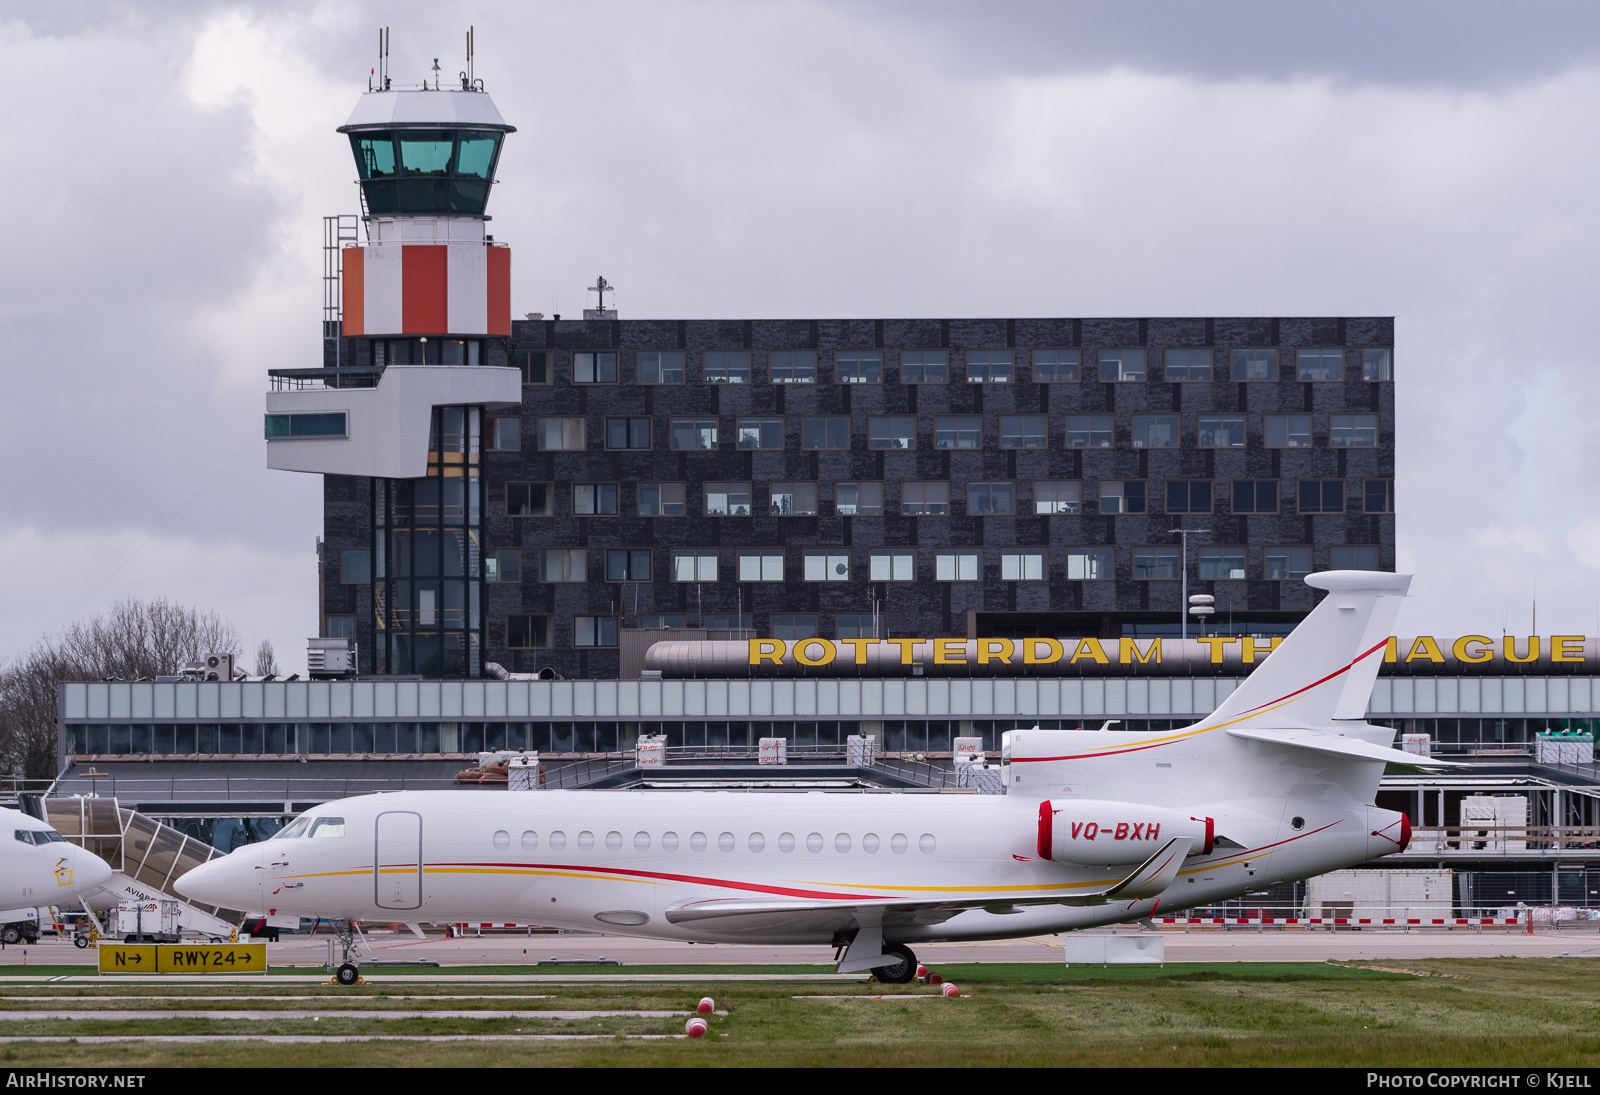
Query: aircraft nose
{"type": "Point", "coordinates": [232, 882]}
{"type": "Point", "coordinates": [90, 870]}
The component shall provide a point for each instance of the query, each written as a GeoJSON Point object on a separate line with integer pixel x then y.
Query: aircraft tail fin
{"type": "Point", "coordinates": [1324, 671]}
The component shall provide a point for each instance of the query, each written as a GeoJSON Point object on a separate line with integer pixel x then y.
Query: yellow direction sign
{"type": "Point", "coordinates": [212, 958]}
{"type": "Point", "coordinates": [127, 957]}
{"type": "Point", "coordinates": [183, 958]}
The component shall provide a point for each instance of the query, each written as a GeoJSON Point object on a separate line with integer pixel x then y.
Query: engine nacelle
{"type": "Point", "coordinates": [1098, 832]}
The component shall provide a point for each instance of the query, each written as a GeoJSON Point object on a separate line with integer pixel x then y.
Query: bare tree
{"type": "Point", "coordinates": [266, 662]}
{"type": "Point", "coordinates": [133, 639]}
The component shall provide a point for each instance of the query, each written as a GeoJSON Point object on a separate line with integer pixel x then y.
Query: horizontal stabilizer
{"type": "Point", "coordinates": [1332, 744]}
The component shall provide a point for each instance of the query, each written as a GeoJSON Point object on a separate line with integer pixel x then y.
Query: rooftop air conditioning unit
{"type": "Point", "coordinates": [216, 667]}
{"type": "Point", "coordinates": [330, 657]}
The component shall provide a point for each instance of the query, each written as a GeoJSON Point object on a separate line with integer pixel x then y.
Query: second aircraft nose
{"type": "Point", "coordinates": [231, 882]}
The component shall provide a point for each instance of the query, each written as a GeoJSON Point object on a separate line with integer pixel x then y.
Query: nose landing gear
{"type": "Point", "coordinates": [349, 935]}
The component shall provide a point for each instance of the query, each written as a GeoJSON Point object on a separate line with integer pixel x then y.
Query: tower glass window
{"type": "Point", "coordinates": [426, 170]}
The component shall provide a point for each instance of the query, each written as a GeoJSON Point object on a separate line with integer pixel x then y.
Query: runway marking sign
{"type": "Point", "coordinates": [183, 958]}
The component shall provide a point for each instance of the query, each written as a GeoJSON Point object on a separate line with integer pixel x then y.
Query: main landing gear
{"type": "Point", "coordinates": [902, 970]}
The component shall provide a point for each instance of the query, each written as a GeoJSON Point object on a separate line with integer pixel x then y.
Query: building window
{"type": "Point", "coordinates": [893, 431]}
{"type": "Point", "coordinates": [727, 621]}
{"type": "Point", "coordinates": [1353, 431]}
{"type": "Point", "coordinates": [1379, 496]}
{"type": "Point", "coordinates": [1255, 365]}
{"type": "Point", "coordinates": [661, 500]}
{"type": "Point", "coordinates": [924, 499]}
{"type": "Point", "coordinates": [761, 565]}
{"type": "Point", "coordinates": [1057, 496]}
{"type": "Point", "coordinates": [1022, 565]}
{"type": "Point", "coordinates": [597, 367]}
{"type": "Point", "coordinates": [503, 565]}
{"type": "Point", "coordinates": [1055, 366]}
{"type": "Point", "coordinates": [1188, 496]}
{"type": "Point", "coordinates": [627, 565]}
{"type": "Point", "coordinates": [1122, 496]}
{"type": "Point", "coordinates": [1289, 563]}
{"type": "Point", "coordinates": [924, 367]}
{"type": "Point", "coordinates": [527, 632]}
{"type": "Point", "coordinates": [1121, 366]}
{"type": "Point", "coordinates": [1024, 431]}
{"type": "Point", "coordinates": [1089, 564]}
{"type": "Point", "coordinates": [985, 499]}
{"type": "Point", "coordinates": [279, 426]}
{"type": "Point", "coordinates": [1189, 364]}
{"type": "Point", "coordinates": [827, 565]}
{"type": "Point", "coordinates": [727, 366]}
{"type": "Point", "coordinates": [1355, 557]}
{"type": "Point", "coordinates": [861, 625]}
{"type": "Point", "coordinates": [561, 434]}
{"type": "Point", "coordinates": [989, 366]}
{"type": "Point", "coordinates": [858, 367]}
{"type": "Point", "coordinates": [892, 565]}
{"type": "Point", "coordinates": [1221, 431]}
{"type": "Point", "coordinates": [627, 433]}
{"type": "Point", "coordinates": [858, 499]}
{"type": "Point", "coordinates": [694, 565]}
{"type": "Point", "coordinates": [958, 565]}
{"type": "Point", "coordinates": [794, 499]}
{"type": "Point", "coordinates": [1255, 496]}
{"type": "Point", "coordinates": [661, 367]}
{"type": "Point", "coordinates": [1155, 431]}
{"type": "Point", "coordinates": [832, 432]}
{"type": "Point", "coordinates": [958, 431]}
{"type": "Point", "coordinates": [1377, 364]}
{"type": "Point", "coordinates": [663, 621]}
{"type": "Point", "coordinates": [1221, 564]}
{"type": "Point", "coordinates": [594, 631]}
{"type": "Point", "coordinates": [594, 499]}
{"type": "Point", "coordinates": [752, 433]}
{"type": "Point", "coordinates": [1320, 364]}
{"type": "Point", "coordinates": [1322, 496]}
{"type": "Point", "coordinates": [1090, 431]}
{"type": "Point", "coordinates": [794, 366]}
{"type": "Point", "coordinates": [562, 565]}
{"type": "Point", "coordinates": [1157, 562]}
{"type": "Point", "coordinates": [694, 433]}
{"type": "Point", "coordinates": [338, 627]}
{"type": "Point", "coordinates": [789, 628]}
{"type": "Point", "coordinates": [727, 499]}
{"type": "Point", "coordinates": [505, 434]}
{"type": "Point", "coordinates": [355, 567]}
{"type": "Point", "coordinates": [534, 365]}
{"type": "Point", "coordinates": [529, 499]}
{"type": "Point", "coordinates": [1287, 431]}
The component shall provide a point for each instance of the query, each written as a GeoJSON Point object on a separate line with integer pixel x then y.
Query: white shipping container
{"type": "Point", "coordinates": [1381, 895]}
{"type": "Point", "coordinates": [1486, 819]}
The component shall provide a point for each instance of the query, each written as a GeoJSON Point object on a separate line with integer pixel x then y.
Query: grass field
{"type": "Point", "coordinates": [1456, 1012]}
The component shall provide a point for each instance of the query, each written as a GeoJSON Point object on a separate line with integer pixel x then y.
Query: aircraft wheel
{"type": "Point", "coordinates": [348, 974]}
{"type": "Point", "coordinates": [80, 941]}
{"type": "Point", "coordinates": [10, 936]}
{"type": "Point", "coordinates": [901, 970]}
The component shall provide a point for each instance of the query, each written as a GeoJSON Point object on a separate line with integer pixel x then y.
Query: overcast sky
{"type": "Point", "coordinates": [171, 164]}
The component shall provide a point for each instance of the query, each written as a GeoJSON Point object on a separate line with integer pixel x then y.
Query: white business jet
{"type": "Point", "coordinates": [1095, 827]}
{"type": "Point", "coordinates": [39, 868]}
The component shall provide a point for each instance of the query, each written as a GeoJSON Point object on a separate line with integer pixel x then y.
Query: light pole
{"type": "Point", "coordinates": [1183, 572]}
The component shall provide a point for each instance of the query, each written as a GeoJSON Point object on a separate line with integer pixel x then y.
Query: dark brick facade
{"type": "Point", "coordinates": [925, 607]}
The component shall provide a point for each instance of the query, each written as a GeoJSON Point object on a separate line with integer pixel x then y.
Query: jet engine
{"type": "Point", "coordinates": [1098, 832]}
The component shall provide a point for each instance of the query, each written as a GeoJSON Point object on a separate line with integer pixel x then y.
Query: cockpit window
{"type": "Point", "coordinates": [49, 835]}
{"type": "Point", "coordinates": [24, 835]}
{"type": "Point", "coordinates": [295, 828]}
{"type": "Point", "coordinates": [328, 826]}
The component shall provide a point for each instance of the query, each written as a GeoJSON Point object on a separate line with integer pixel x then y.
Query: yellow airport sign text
{"type": "Point", "coordinates": [183, 957]}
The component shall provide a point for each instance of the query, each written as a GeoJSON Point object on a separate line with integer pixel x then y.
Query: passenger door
{"type": "Point", "coordinates": [397, 861]}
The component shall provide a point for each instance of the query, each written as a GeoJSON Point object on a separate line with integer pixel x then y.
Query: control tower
{"type": "Point", "coordinates": [426, 309]}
